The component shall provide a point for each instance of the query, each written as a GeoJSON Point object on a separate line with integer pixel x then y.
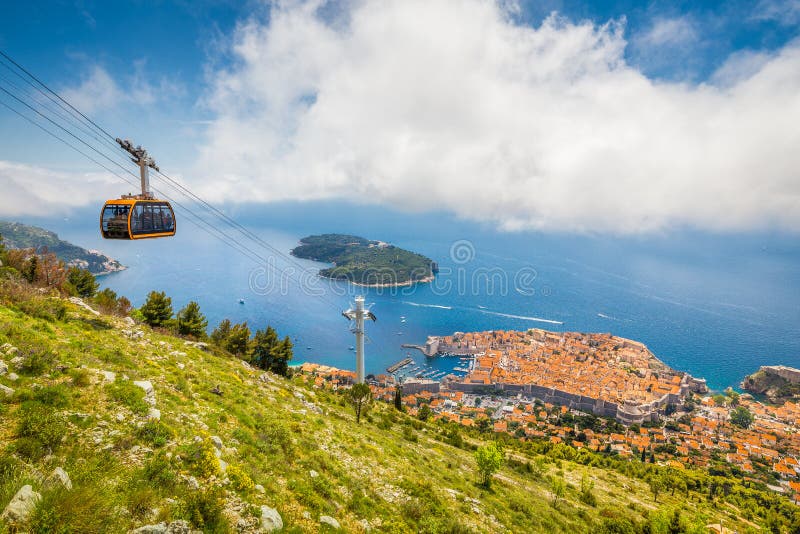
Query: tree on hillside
{"type": "Point", "coordinates": [81, 282]}
{"type": "Point", "coordinates": [490, 459]}
{"type": "Point", "coordinates": [282, 357]}
{"type": "Point", "coordinates": [398, 398]}
{"type": "Point", "coordinates": [220, 334]}
{"type": "Point", "coordinates": [424, 412]}
{"type": "Point", "coordinates": [108, 302]}
{"type": "Point", "coordinates": [360, 396]}
{"type": "Point", "coordinates": [30, 271]}
{"type": "Point", "coordinates": [157, 310]}
{"type": "Point", "coordinates": [741, 416]}
{"type": "Point", "coordinates": [191, 322]}
{"type": "Point", "coordinates": [238, 339]}
{"type": "Point", "coordinates": [264, 344]}
{"type": "Point", "coordinates": [656, 485]}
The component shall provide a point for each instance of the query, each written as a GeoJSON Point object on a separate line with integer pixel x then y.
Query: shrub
{"type": "Point", "coordinates": [85, 508]}
{"type": "Point", "coordinates": [204, 509]}
{"type": "Point", "coordinates": [240, 480]}
{"type": "Point", "coordinates": [40, 430]}
{"type": "Point", "coordinates": [201, 458]}
{"type": "Point", "coordinates": [36, 362]}
{"type": "Point", "coordinates": [158, 472]}
{"type": "Point", "coordinates": [132, 396]}
{"type": "Point", "coordinates": [80, 378]}
{"type": "Point", "coordinates": [273, 436]}
{"type": "Point", "coordinates": [44, 308]}
{"type": "Point", "coordinates": [56, 396]}
{"type": "Point", "coordinates": [155, 433]}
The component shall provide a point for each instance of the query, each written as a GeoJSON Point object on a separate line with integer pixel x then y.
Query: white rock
{"type": "Point", "coordinates": [120, 417]}
{"type": "Point", "coordinates": [223, 466]}
{"type": "Point", "coordinates": [7, 391]}
{"type": "Point", "coordinates": [181, 366]}
{"type": "Point", "coordinates": [128, 321]}
{"type": "Point", "coordinates": [3, 367]}
{"type": "Point", "coordinates": [259, 488]}
{"type": "Point", "coordinates": [306, 515]}
{"type": "Point", "coordinates": [149, 392]}
{"type": "Point", "coordinates": [217, 441]}
{"type": "Point", "coordinates": [58, 478]}
{"type": "Point", "coordinates": [328, 520]}
{"type": "Point", "coordinates": [21, 505]}
{"type": "Point", "coordinates": [159, 528]}
{"type": "Point", "coordinates": [154, 414]}
{"type": "Point", "coordinates": [313, 474]}
{"type": "Point", "coordinates": [13, 377]}
{"type": "Point", "coordinates": [270, 519]}
{"type": "Point", "coordinates": [16, 361]}
{"type": "Point", "coordinates": [109, 376]}
{"type": "Point", "coordinates": [193, 483]}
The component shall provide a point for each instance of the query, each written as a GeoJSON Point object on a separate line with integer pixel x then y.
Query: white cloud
{"type": "Point", "coordinates": [449, 104]}
{"type": "Point", "coordinates": [785, 12]}
{"type": "Point", "coordinates": [100, 91]}
{"type": "Point", "coordinates": [35, 190]}
{"type": "Point", "coordinates": [677, 31]}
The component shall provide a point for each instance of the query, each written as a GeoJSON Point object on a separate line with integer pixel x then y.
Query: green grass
{"type": "Point", "coordinates": [397, 473]}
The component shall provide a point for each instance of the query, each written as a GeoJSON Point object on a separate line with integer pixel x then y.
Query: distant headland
{"type": "Point", "coordinates": [365, 262]}
{"type": "Point", "coordinates": [22, 236]}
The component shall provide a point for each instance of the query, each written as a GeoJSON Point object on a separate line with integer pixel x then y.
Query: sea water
{"type": "Point", "coordinates": [716, 306]}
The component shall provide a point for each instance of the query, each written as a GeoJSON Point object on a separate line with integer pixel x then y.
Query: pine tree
{"type": "Point", "coordinates": [238, 339]}
{"type": "Point", "coordinates": [283, 354]}
{"type": "Point", "coordinates": [81, 282]}
{"type": "Point", "coordinates": [157, 310]}
{"type": "Point", "coordinates": [30, 270]}
{"type": "Point", "coordinates": [191, 322]}
{"type": "Point", "coordinates": [264, 343]}
{"type": "Point", "coordinates": [220, 334]}
{"type": "Point", "coordinates": [398, 398]}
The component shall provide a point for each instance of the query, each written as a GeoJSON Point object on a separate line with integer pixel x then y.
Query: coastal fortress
{"type": "Point", "coordinates": [598, 373]}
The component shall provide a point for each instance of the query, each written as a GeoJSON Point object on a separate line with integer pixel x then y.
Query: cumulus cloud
{"type": "Point", "coordinates": [35, 190]}
{"type": "Point", "coordinates": [451, 104]}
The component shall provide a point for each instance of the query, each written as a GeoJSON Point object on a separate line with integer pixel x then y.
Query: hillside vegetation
{"type": "Point", "coordinates": [150, 428]}
{"type": "Point", "coordinates": [364, 262]}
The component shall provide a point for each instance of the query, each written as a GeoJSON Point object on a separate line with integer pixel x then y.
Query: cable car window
{"type": "Point", "coordinates": [169, 221]}
{"type": "Point", "coordinates": [115, 221]}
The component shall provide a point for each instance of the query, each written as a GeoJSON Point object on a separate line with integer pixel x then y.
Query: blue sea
{"type": "Point", "coordinates": [717, 306]}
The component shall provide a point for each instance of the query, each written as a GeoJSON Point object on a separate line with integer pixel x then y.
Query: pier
{"type": "Point", "coordinates": [399, 365]}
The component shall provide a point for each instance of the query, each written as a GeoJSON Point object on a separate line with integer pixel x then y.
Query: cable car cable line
{"type": "Point", "coordinates": [185, 190]}
{"type": "Point", "coordinates": [223, 236]}
{"type": "Point", "coordinates": [227, 239]}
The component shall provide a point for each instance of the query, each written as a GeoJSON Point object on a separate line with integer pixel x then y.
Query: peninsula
{"type": "Point", "coordinates": [22, 236]}
{"type": "Point", "coordinates": [364, 262]}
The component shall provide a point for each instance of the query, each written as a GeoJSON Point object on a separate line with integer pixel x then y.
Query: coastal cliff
{"type": "Point", "coordinates": [777, 383]}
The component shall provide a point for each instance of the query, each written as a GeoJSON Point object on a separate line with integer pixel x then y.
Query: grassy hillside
{"type": "Point", "coordinates": [287, 446]}
{"type": "Point", "coordinates": [17, 235]}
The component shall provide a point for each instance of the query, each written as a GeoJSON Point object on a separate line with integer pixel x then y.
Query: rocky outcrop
{"type": "Point", "coordinates": [175, 527]}
{"type": "Point", "coordinates": [270, 519]}
{"type": "Point", "coordinates": [58, 479]}
{"type": "Point", "coordinates": [21, 506]}
{"type": "Point", "coordinates": [330, 521]}
{"type": "Point", "coordinates": [776, 382]}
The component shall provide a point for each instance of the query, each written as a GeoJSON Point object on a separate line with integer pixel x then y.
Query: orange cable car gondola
{"type": "Point", "coordinates": [137, 216]}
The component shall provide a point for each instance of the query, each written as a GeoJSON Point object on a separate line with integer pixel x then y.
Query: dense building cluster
{"type": "Point", "coordinates": [526, 384]}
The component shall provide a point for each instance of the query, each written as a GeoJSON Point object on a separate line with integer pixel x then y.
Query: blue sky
{"type": "Point", "coordinates": [167, 73]}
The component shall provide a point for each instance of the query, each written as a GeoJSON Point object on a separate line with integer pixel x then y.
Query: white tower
{"type": "Point", "coordinates": [358, 314]}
